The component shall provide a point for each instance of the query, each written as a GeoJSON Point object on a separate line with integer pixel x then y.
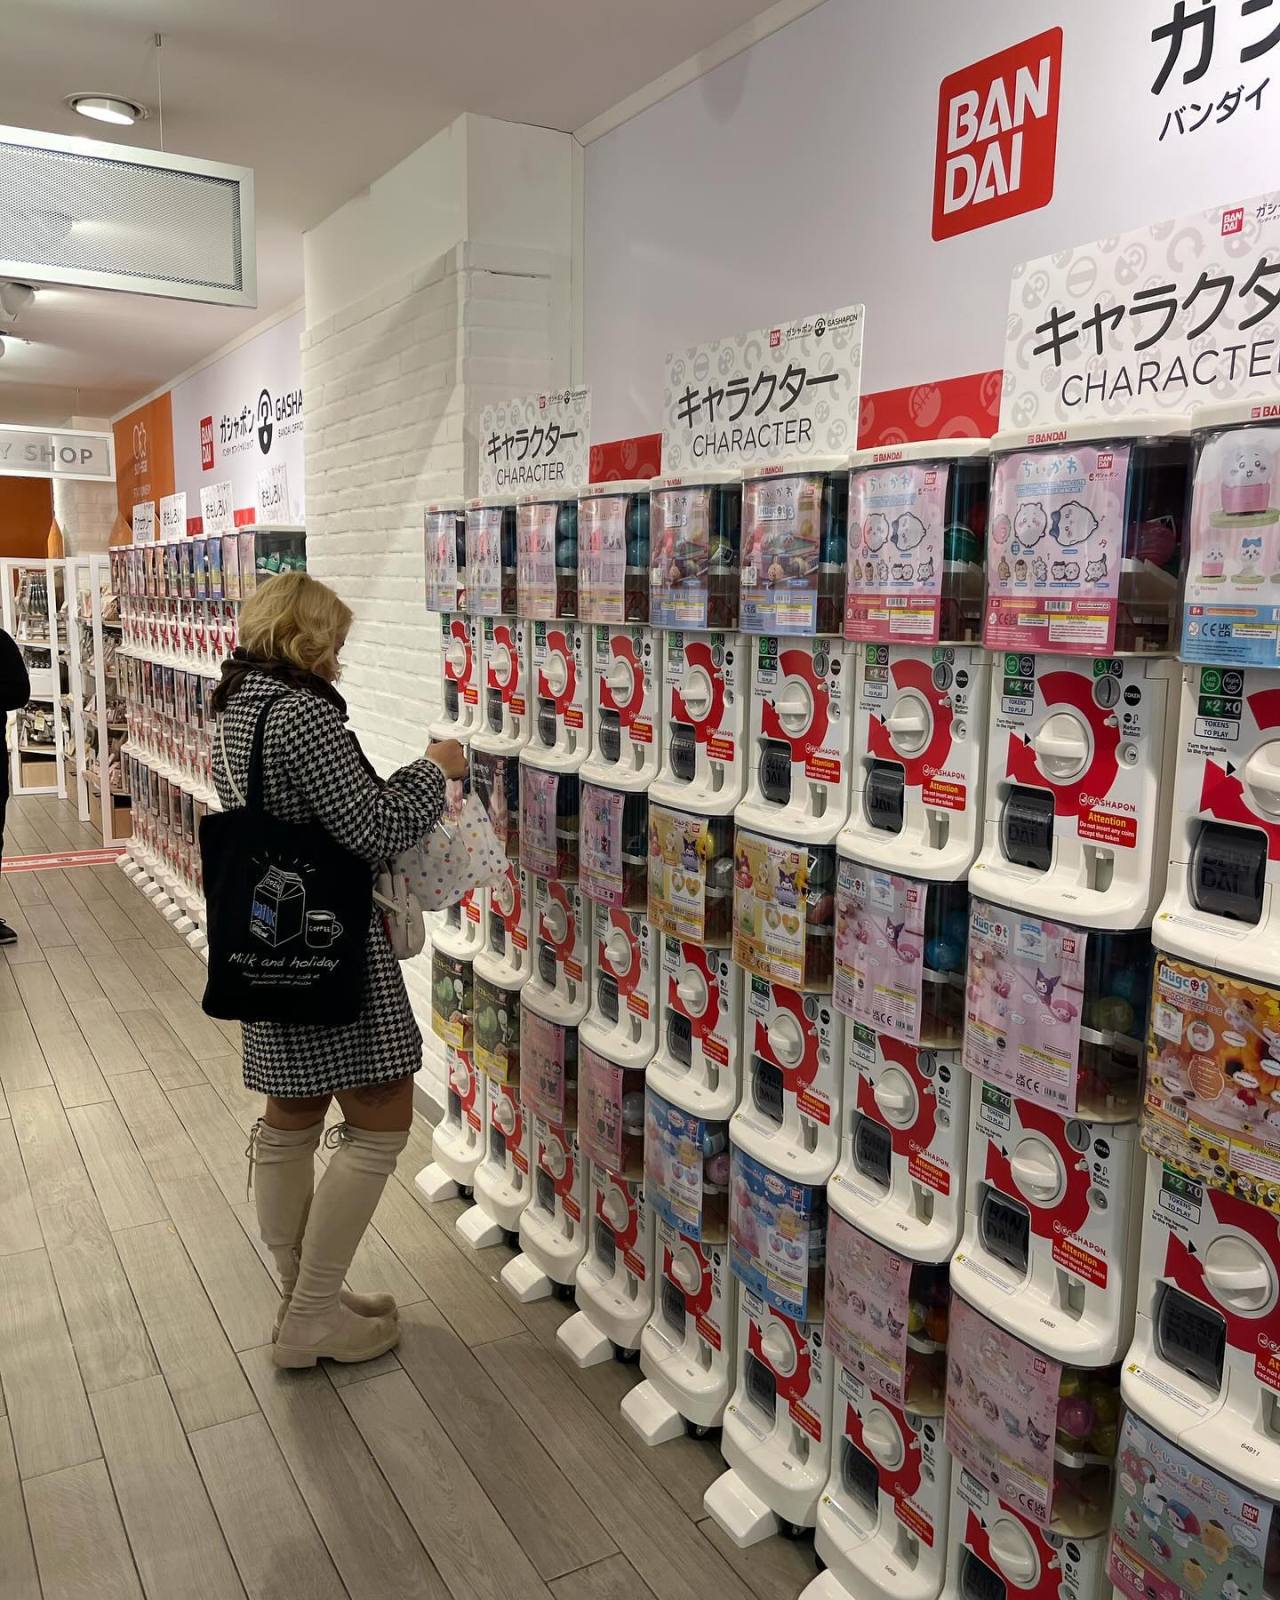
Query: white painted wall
{"type": "Point", "coordinates": [799, 176]}
{"type": "Point", "coordinates": [394, 375]}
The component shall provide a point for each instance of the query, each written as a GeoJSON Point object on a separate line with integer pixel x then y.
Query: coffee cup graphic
{"type": "Point", "coordinates": [322, 930]}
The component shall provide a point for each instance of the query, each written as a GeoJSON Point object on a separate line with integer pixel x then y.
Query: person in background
{"type": "Point", "coordinates": [15, 691]}
{"type": "Point", "coordinates": [292, 631]}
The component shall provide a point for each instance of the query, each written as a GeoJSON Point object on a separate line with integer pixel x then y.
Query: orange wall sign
{"type": "Point", "coordinates": [144, 455]}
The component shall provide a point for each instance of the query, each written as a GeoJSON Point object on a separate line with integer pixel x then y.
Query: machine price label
{"type": "Point", "coordinates": [1020, 688]}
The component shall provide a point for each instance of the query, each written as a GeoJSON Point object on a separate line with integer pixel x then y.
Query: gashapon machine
{"type": "Point", "coordinates": [500, 970]}
{"type": "Point", "coordinates": [1084, 556]}
{"type": "Point", "coordinates": [1202, 1379]}
{"type": "Point", "coordinates": [444, 539]}
{"type": "Point", "coordinates": [560, 643]}
{"type": "Point", "coordinates": [626, 662]}
{"type": "Point", "coordinates": [785, 1132]}
{"type": "Point", "coordinates": [696, 538]}
{"type": "Point", "coordinates": [913, 616]}
{"type": "Point", "coordinates": [687, 1345]}
{"type": "Point", "coordinates": [1034, 1443]}
{"type": "Point", "coordinates": [882, 1518]}
{"type": "Point", "coordinates": [617, 1038]}
{"type": "Point", "coordinates": [553, 1002]}
{"type": "Point", "coordinates": [794, 550]}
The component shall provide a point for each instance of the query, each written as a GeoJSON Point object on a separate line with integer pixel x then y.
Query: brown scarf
{"type": "Point", "coordinates": [238, 666]}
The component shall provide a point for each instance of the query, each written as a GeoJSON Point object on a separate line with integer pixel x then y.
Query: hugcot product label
{"type": "Point", "coordinates": [879, 949]}
{"type": "Point", "coordinates": [1024, 1001]}
{"type": "Point", "coordinates": [1002, 1411]}
{"type": "Point", "coordinates": [896, 530]}
{"type": "Point", "coordinates": [602, 547]}
{"type": "Point", "coordinates": [868, 1302]}
{"type": "Point", "coordinates": [441, 539]}
{"type": "Point", "coordinates": [484, 560]}
{"type": "Point", "coordinates": [1212, 1102]}
{"type": "Point", "coordinates": [674, 1146]}
{"type": "Point", "coordinates": [1053, 558]}
{"type": "Point", "coordinates": [679, 844]}
{"type": "Point", "coordinates": [770, 884]}
{"type": "Point", "coordinates": [542, 1067]}
{"type": "Point", "coordinates": [1178, 1528]}
{"type": "Point", "coordinates": [536, 559]}
{"type": "Point", "coordinates": [777, 1237]}
{"type": "Point", "coordinates": [781, 535]}
{"type": "Point", "coordinates": [538, 844]}
{"type": "Point", "coordinates": [600, 868]}
{"type": "Point", "coordinates": [1231, 607]}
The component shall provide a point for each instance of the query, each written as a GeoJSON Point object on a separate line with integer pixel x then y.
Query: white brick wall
{"type": "Point", "coordinates": [392, 384]}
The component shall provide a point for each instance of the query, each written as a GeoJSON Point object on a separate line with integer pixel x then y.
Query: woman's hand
{"type": "Point", "coordinates": [449, 756]}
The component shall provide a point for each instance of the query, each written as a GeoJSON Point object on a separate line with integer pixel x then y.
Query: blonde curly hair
{"type": "Point", "coordinates": [296, 618]}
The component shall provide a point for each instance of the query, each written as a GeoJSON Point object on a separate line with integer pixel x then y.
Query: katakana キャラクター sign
{"type": "Point", "coordinates": [777, 394]}
{"type": "Point", "coordinates": [538, 441]}
{"type": "Point", "coordinates": [1165, 318]}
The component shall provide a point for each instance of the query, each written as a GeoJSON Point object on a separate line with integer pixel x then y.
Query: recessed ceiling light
{"type": "Point", "coordinates": [108, 108]}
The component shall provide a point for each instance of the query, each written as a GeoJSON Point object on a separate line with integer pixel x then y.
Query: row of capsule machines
{"type": "Point", "coordinates": [804, 1043]}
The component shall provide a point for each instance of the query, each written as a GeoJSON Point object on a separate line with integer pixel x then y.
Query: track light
{"type": "Point", "coordinates": [111, 108]}
{"type": "Point", "coordinates": [15, 297]}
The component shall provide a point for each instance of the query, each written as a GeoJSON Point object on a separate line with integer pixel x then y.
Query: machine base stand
{"type": "Point", "coordinates": [524, 1281]}
{"type": "Point", "coordinates": [652, 1417]}
{"type": "Point", "coordinates": [740, 1511]}
{"type": "Point", "coordinates": [434, 1183]}
{"type": "Point", "coordinates": [583, 1342]}
{"type": "Point", "coordinates": [826, 1586]}
{"type": "Point", "coordinates": [479, 1229]}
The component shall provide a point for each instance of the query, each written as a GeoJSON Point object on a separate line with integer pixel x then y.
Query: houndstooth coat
{"type": "Point", "coordinates": [312, 768]}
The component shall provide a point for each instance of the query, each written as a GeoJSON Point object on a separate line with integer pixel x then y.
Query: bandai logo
{"type": "Point", "coordinates": [1232, 221]}
{"type": "Point", "coordinates": [206, 444]}
{"type": "Point", "coordinates": [775, 338]}
{"type": "Point", "coordinates": [1105, 460]}
{"type": "Point", "coordinates": [997, 136]}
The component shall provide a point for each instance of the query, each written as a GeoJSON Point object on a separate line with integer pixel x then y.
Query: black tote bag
{"type": "Point", "coordinates": [288, 913]}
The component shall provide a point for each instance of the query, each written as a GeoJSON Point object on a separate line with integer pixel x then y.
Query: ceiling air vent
{"type": "Point", "coordinates": [108, 216]}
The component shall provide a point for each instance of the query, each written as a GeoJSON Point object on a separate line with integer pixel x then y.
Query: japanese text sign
{"type": "Point", "coordinates": [1164, 318]}
{"type": "Point", "coordinates": [173, 516]}
{"type": "Point", "coordinates": [144, 522]}
{"type": "Point", "coordinates": [777, 394]}
{"type": "Point", "coordinates": [217, 511]}
{"type": "Point", "coordinates": [273, 493]}
{"type": "Point", "coordinates": [540, 441]}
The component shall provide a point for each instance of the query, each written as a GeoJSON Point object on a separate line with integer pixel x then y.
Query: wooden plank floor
{"type": "Point", "coordinates": [148, 1447]}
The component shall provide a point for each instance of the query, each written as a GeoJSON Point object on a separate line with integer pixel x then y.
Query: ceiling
{"type": "Point", "coordinates": [319, 97]}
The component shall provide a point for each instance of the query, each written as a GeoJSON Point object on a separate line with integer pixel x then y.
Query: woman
{"type": "Point", "coordinates": [291, 633]}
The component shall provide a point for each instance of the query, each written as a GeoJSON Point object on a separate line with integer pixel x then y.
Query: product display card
{"type": "Point", "coordinates": [497, 1031]}
{"type": "Point", "coordinates": [675, 1145]}
{"type": "Point", "coordinates": [1212, 1094]}
{"type": "Point", "coordinates": [600, 864]}
{"type": "Point", "coordinates": [777, 1237]}
{"type": "Point", "coordinates": [1180, 1530]}
{"type": "Point", "coordinates": [684, 550]}
{"type": "Point", "coordinates": [451, 1000]}
{"type": "Point", "coordinates": [538, 845]}
{"type": "Point", "coordinates": [1053, 557]}
{"type": "Point", "coordinates": [770, 884]}
{"type": "Point", "coordinates": [781, 538]}
{"type": "Point", "coordinates": [897, 527]}
{"type": "Point", "coordinates": [1231, 606]}
{"type": "Point", "coordinates": [868, 1308]}
{"type": "Point", "coordinates": [542, 1067]}
{"type": "Point", "coordinates": [440, 539]}
{"type": "Point", "coordinates": [484, 561]}
{"type": "Point", "coordinates": [602, 558]}
{"type": "Point", "coordinates": [679, 843]}
{"type": "Point", "coordinates": [610, 1115]}
{"type": "Point", "coordinates": [1002, 1410]}
{"type": "Point", "coordinates": [1023, 1004]}
{"type": "Point", "coordinates": [880, 949]}
{"type": "Point", "coordinates": [536, 559]}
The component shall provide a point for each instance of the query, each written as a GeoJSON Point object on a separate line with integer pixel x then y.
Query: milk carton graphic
{"type": "Point", "coordinates": [279, 907]}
